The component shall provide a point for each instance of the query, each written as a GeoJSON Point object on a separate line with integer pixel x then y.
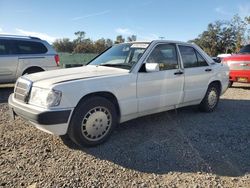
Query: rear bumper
{"type": "Point", "coordinates": [236, 74]}
{"type": "Point", "coordinates": [51, 121]}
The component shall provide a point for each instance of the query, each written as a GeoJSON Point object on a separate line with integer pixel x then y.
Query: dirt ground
{"type": "Point", "coordinates": [186, 148]}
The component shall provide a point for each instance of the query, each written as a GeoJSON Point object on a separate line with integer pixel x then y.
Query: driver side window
{"type": "Point", "coordinates": [165, 55]}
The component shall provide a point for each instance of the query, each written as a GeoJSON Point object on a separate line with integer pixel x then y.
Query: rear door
{"type": "Point", "coordinates": [197, 73]}
{"type": "Point", "coordinates": [8, 62]}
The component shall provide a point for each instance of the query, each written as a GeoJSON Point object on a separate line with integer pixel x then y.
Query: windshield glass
{"type": "Point", "coordinates": [121, 56]}
{"type": "Point", "coordinates": [245, 50]}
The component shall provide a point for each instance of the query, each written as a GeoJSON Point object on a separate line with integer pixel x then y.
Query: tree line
{"type": "Point", "coordinates": [86, 45]}
{"type": "Point", "coordinates": [219, 37]}
{"type": "Point", "coordinates": [224, 36]}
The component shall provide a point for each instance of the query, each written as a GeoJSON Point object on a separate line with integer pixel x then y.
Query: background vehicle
{"type": "Point", "coordinates": [125, 82]}
{"type": "Point", "coordinates": [223, 55]}
{"type": "Point", "coordinates": [21, 55]}
{"type": "Point", "coordinates": [239, 65]}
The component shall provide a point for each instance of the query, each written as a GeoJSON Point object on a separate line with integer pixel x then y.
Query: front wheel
{"type": "Point", "coordinates": [211, 99]}
{"type": "Point", "coordinates": [93, 121]}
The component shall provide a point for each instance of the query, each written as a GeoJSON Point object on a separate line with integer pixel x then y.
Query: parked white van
{"type": "Point", "coordinates": [21, 55]}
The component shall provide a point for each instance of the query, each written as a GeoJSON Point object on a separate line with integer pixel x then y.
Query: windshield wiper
{"type": "Point", "coordinates": [120, 65]}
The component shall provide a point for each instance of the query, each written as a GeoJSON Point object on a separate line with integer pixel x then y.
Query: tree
{"type": "Point", "coordinates": [239, 28]}
{"type": "Point", "coordinates": [100, 45]}
{"type": "Point", "coordinates": [247, 20]}
{"type": "Point", "coordinates": [63, 45]}
{"type": "Point", "coordinates": [131, 38]}
{"type": "Point", "coordinates": [109, 43]}
{"type": "Point", "coordinates": [209, 39]}
{"type": "Point", "coordinates": [227, 41]}
{"type": "Point", "coordinates": [80, 37]}
{"type": "Point", "coordinates": [223, 36]}
{"type": "Point", "coordinates": [119, 39]}
{"type": "Point", "coordinates": [86, 46]}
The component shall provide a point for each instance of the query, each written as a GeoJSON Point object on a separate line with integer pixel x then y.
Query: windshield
{"type": "Point", "coordinates": [245, 50]}
{"type": "Point", "coordinates": [122, 56]}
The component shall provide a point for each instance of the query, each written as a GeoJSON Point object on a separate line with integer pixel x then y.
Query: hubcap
{"type": "Point", "coordinates": [212, 98]}
{"type": "Point", "coordinates": [96, 123]}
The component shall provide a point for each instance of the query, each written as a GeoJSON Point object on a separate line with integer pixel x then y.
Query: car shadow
{"type": "Point", "coordinates": [5, 93]}
{"type": "Point", "coordinates": [245, 86]}
{"type": "Point", "coordinates": [183, 141]}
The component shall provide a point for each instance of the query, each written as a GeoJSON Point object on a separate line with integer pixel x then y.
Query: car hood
{"type": "Point", "coordinates": [46, 78]}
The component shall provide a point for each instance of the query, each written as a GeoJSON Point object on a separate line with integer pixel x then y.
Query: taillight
{"type": "Point", "coordinates": [57, 59]}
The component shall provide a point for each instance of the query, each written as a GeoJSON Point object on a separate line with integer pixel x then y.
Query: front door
{"type": "Point", "coordinates": [157, 90]}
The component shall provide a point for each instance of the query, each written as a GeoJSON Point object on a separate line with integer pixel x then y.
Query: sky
{"type": "Point", "coordinates": [147, 19]}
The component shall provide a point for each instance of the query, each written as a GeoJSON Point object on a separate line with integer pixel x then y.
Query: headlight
{"type": "Point", "coordinates": [45, 97]}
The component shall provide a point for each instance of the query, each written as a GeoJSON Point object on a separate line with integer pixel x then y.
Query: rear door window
{"type": "Point", "coordinates": [201, 60]}
{"type": "Point", "coordinates": [191, 58]}
{"type": "Point", "coordinates": [28, 47]}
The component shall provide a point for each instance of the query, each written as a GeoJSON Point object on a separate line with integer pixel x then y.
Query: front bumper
{"type": "Point", "coordinates": [52, 121]}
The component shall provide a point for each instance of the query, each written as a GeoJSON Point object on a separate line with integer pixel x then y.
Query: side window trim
{"type": "Point", "coordinates": [181, 64]}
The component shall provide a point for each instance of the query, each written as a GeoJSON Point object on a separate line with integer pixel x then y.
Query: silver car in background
{"type": "Point", "coordinates": [21, 55]}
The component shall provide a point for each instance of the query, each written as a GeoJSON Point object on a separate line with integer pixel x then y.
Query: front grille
{"type": "Point", "coordinates": [22, 89]}
{"type": "Point", "coordinates": [240, 65]}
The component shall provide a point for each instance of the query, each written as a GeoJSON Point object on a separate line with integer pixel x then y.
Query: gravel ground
{"type": "Point", "coordinates": [185, 148]}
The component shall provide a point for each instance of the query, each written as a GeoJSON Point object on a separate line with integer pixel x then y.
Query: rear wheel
{"type": "Point", "coordinates": [211, 99]}
{"type": "Point", "coordinates": [93, 121]}
{"type": "Point", "coordinates": [32, 70]}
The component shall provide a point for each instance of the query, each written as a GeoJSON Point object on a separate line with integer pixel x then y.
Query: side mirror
{"type": "Point", "coordinates": [152, 67]}
{"type": "Point", "coordinates": [216, 59]}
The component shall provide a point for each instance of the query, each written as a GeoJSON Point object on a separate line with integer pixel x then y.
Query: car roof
{"type": "Point", "coordinates": [9, 37]}
{"type": "Point", "coordinates": [158, 41]}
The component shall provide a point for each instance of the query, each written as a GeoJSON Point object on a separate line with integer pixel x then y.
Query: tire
{"type": "Point", "coordinates": [68, 142]}
{"type": "Point", "coordinates": [93, 121]}
{"type": "Point", "coordinates": [32, 70]}
{"type": "Point", "coordinates": [211, 99]}
{"type": "Point", "coordinates": [230, 84]}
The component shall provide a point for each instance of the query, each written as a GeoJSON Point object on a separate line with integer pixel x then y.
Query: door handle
{"type": "Point", "coordinates": [178, 73]}
{"type": "Point", "coordinates": [208, 70]}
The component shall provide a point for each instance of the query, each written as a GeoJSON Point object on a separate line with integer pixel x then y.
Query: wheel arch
{"type": "Point", "coordinates": [218, 83]}
{"type": "Point", "coordinates": [39, 69]}
{"type": "Point", "coordinates": [105, 94]}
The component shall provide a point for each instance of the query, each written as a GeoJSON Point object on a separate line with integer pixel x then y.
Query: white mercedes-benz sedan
{"type": "Point", "coordinates": [126, 81]}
